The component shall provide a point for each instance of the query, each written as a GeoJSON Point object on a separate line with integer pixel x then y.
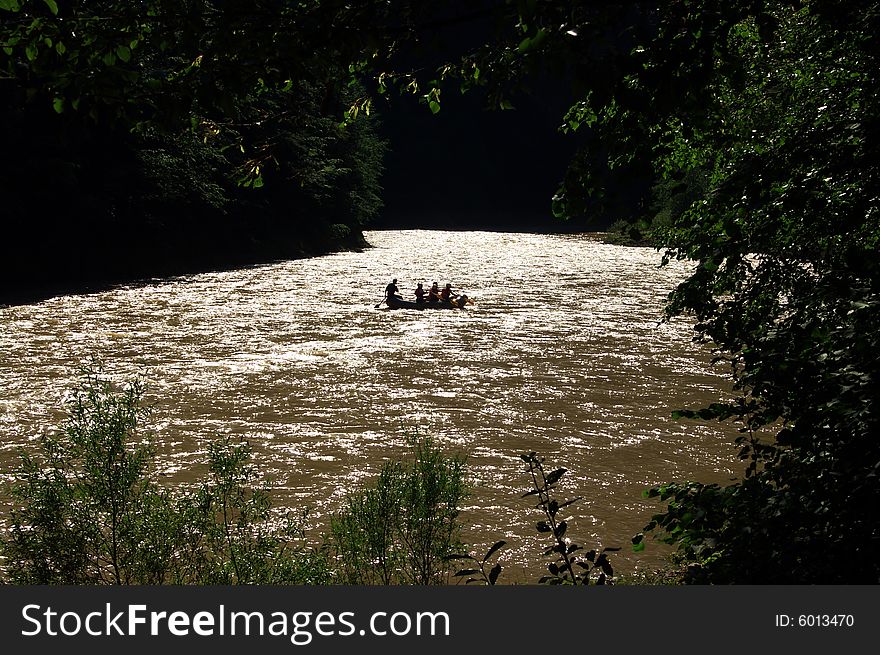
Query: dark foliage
{"type": "Point", "coordinates": [120, 162]}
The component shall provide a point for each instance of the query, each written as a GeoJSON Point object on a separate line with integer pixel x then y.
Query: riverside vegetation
{"type": "Point", "coordinates": [87, 509]}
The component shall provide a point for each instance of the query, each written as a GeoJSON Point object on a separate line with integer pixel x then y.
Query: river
{"type": "Point", "coordinates": [562, 353]}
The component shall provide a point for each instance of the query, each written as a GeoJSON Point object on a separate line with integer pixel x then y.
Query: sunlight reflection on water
{"type": "Point", "coordinates": [562, 353]}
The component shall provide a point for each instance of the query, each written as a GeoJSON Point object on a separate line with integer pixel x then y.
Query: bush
{"type": "Point", "coordinates": [404, 528]}
{"type": "Point", "coordinates": [86, 509]}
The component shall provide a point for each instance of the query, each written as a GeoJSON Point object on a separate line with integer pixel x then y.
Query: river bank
{"type": "Point", "coordinates": [56, 269]}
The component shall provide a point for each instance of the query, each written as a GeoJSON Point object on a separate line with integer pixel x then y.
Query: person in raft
{"type": "Point", "coordinates": [391, 291]}
{"type": "Point", "coordinates": [420, 293]}
{"type": "Point", "coordinates": [448, 294]}
{"type": "Point", "coordinates": [434, 293]}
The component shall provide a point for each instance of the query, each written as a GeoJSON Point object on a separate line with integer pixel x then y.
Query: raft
{"type": "Point", "coordinates": [456, 303]}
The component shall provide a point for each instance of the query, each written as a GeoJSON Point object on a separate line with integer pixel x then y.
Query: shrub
{"type": "Point", "coordinates": [87, 511]}
{"type": "Point", "coordinates": [404, 527]}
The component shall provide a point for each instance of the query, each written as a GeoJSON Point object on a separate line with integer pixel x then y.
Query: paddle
{"type": "Point", "coordinates": [379, 304]}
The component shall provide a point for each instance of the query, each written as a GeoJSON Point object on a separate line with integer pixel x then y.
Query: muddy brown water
{"type": "Point", "coordinates": [562, 353]}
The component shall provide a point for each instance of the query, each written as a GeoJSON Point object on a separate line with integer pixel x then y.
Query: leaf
{"type": "Point", "coordinates": [493, 574]}
{"type": "Point", "coordinates": [60, 48]}
{"type": "Point", "coordinates": [494, 548]}
{"type": "Point", "coordinates": [53, 6]}
{"type": "Point", "coordinates": [109, 59]}
{"type": "Point", "coordinates": [531, 42]}
{"type": "Point", "coordinates": [505, 104]}
{"type": "Point", "coordinates": [434, 106]}
{"type": "Point", "coordinates": [123, 53]}
{"type": "Point", "coordinates": [58, 105]}
{"type": "Point", "coordinates": [560, 530]}
{"type": "Point", "coordinates": [10, 5]}
{"type": "Point", "coordinates": [570, 502]}
{"type": "Point", "coordinates": [603, 563]}
{"type": "Point", "coordinates": [554, 476]}
{"type": "Point", "coordinates": [543, 526]}
{"type": "Point", "coordinates": [465, 572]}
{"type": "Point", "coordinates": [31, 52]}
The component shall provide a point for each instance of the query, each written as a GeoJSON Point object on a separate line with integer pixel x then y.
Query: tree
{"type": "Point", "coordinates": [773, 107]}
{"type": "Point", "coordinates": [169, 146]}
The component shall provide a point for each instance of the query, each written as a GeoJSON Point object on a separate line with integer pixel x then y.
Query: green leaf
{"type": "Point", "coordinates": [53, 6]}
{"type": "Point", "coordinates": [60, 48]}
{"type": "Point", "coordinates": [505, 104]}
{"type": "Point", "coordinates": [8, 51]}
{"type": "Point", "coordinates": [109, 59]}
{"type": "Point", "coordinates": [31, 52]}
{"type": "Point", "coordinates": [529, 43]}
{"type": "Point", "coordinates": [10, 5]}
{"type": "Point", "coordinates": [434, 105]}
{"type": "Point", "coordinates": [123, 53]}
{"type": "Point", "coordinates": [58, 105]}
